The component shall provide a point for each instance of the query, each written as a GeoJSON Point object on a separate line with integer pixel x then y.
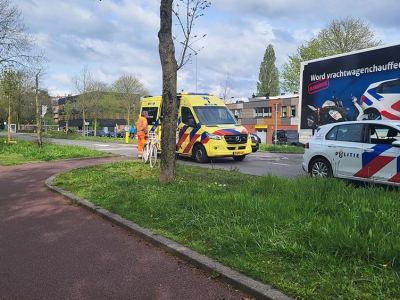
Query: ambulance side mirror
{"type": "Point", "coordinates": [191, 122]}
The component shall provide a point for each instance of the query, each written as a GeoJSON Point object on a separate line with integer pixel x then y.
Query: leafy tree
{"type": "Point", "coordinates": [24, 106]}
{"type": "Point", "coordinates": [338, 37]}
{"type": "Point", "coordinates": [131, 89]}
{"type": "Point", "coordinates": [268, 79]}
{"type": "Point", "coordinates": [170, 66]}
{"type": "Point", "coordinates": [9, 88]}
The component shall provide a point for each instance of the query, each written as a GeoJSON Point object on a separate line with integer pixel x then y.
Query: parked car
{"type": "Point", "coordinates": [89, 133]}
{"type": "Point", "coordinates": [111, 134]}
{"type": "Point", "coordinates": [121, 134]}
{"type": "Point", "coordinates": [367, 150]}
{"type": "Point", "coordinates": [381, 100]}
{"type": "Point", "coordinates": [100, 133]}
{"type": "Point", "coordinates": [286, 137]}
{"type": "Point", "coordinates": [255, 142]}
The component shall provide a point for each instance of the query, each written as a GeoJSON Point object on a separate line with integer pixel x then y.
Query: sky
{"type": "Point", "coordinates": [112, 38]}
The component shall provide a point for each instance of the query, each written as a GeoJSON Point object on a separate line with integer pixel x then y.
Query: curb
{"type": "Point", "coordinates": [234, 278]}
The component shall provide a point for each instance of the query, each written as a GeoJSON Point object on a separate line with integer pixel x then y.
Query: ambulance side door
{"type": "Point", "coordinates": [184, 130]}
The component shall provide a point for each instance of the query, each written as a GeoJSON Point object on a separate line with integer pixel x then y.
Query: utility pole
{"type": "Point", "coordinates": [9, 121]}
{"type": "Point", "coordinates": [276, 121]}
{"type": "Point", "coordinates": [196, 70]}
{"type": "Point", "coordinates": [38, 112]}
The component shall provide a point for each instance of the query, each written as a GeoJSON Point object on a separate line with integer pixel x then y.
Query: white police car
{"type": "Point", "coordinates": [381, 100]}
{"type": "Point", "coordinates": [358, 150]}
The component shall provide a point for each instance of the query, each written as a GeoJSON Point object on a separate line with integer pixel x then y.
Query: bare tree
{"type": "Point", "coordinates": [17, 52]}
{"type": "Point", "coordinates": [16, 47]}
{"type": "Point", "coordinates": [131, 89]}
{"type": "Point", "coordinates": [97, 92]}
{"type": "Point", "coordinates": [170, 66]}
{"type": "Point", "coordinates": [82, 83]}
{"type": "Point", "coordinates": [225, 88]}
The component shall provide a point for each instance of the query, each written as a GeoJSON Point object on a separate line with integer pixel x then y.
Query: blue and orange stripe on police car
{"type": "Point", "coordinates": [396, 177]}
{"type": "Point", "coordinates": [373, 162]}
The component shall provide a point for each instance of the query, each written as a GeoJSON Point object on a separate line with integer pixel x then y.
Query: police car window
{"type": "Point", "coordinates": [332, 134]}
{"type": "Point", "coordinates": [384, 135]}
{"type": "Point", "coordinates": [347, 133]}
{"type": "Point", "coordinates": [391, 87]}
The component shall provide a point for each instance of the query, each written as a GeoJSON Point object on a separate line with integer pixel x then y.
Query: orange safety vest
{"type": "Point", "coordinates": [141, 125]}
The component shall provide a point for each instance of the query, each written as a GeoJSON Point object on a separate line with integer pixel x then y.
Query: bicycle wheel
{"type": "Point", "coordinates": [153, 154]}
{"type": "Point", "coordinates": [146, 153]}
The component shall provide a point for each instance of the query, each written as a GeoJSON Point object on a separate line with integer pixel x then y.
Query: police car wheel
{"type": "Point", "coordinates": [320, 167]}
{"type": "Point", "coordinates": [372, 114]}
{"type": "Point", "coordinates": [200, 154]}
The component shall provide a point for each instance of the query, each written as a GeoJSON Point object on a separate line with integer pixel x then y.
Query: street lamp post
{"type": "Point", "coordinates": [196, 70]}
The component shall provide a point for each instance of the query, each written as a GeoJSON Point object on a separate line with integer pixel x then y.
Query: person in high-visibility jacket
{"type": "Point", "coordinates": [141, 132]}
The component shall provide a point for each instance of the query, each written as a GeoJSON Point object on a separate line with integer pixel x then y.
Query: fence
{"type": "Point", "coordinates": [33, 128]}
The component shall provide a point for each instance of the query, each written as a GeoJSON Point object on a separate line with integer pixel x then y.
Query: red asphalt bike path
{"type": "Point", "coordinates": [53, 249]}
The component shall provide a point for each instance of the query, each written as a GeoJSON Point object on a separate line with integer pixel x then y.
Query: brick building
{"type": "Point", "coordinates": [263, 115]}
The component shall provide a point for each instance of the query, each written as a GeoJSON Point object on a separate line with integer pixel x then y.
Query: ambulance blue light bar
{"type": "Point", "coordinates": [198, 94]}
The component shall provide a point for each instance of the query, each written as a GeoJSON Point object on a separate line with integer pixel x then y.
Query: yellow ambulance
{"type": "Point", "coordinates": [206, 128]}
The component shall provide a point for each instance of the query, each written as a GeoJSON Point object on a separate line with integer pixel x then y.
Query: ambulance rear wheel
{"type": "Point", "coordinates": [239, 157]}
{"type": "Point", "coordinates": [199, 154]}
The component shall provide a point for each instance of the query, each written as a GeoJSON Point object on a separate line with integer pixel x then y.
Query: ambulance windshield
{"type": "Point", "coordinates": [153, 111]}
{"type": "Point", "coordinates": [214, 115]}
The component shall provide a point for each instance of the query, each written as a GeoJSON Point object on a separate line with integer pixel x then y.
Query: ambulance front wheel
{"type": "Point", "coordinates": [239, 157]}
{"type": "Point", "coordinates": [199, 154]}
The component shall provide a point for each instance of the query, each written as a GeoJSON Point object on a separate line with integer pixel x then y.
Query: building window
{"type": "Point", "coordinates": [263, 112]}
{"type": "Point", "coordinates": [293, 111]}
{"type": "Point", "coordinates": [284, 111]}
{"type": "Point", "coordinates": [268, 112]}
{"type": "Point", "coordinates": [238, 113]}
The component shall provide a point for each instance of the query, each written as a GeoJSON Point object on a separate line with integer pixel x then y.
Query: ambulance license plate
{"type": "Point", "coordinates": [236, 153]}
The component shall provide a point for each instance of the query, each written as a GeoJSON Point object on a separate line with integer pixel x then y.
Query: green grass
{"type": "Point", "coordinates": [23, 151]}
{"type": "Point", "coordinates": [311, 239]}
{"type": "Point", "coordinates": [281, 148]}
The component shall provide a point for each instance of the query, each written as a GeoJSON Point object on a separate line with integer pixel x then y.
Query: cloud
{"type": "Point", "coordinates": [119, 37]}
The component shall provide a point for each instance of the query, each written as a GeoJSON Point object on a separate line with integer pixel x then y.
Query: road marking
{"type": "Point", "coordinates": [280, 164]}
{"type": "Point", "coordinates": [114, 149]}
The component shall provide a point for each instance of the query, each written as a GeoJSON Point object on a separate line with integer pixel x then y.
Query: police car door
{"type": "Point", "coordinates": [346, 151]}
{"type": "Point", "coordinates": [381, 158]}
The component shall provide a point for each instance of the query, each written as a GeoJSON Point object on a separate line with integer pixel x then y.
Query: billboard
{"type": "Point", "coordinates": [353, 86]}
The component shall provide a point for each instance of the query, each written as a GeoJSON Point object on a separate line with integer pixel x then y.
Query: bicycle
{"type": "Point", "coordinates": [150, 149]}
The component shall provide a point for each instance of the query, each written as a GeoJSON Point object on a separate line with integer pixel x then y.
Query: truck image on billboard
{"type": "Point", "coordinates": [358, 85]}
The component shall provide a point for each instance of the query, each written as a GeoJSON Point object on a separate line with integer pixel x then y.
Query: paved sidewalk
{"type": "Point", "coordinates": [52, 249]}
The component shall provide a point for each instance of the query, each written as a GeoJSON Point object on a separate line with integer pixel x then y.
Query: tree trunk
{"type": "Point", "coordinates": [170, 101]}
{"type": "Point", "coordinates": [38, 114]}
